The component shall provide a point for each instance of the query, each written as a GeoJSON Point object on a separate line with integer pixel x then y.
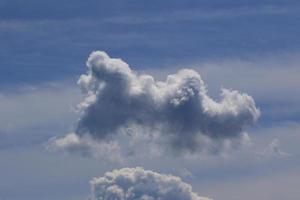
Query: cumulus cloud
{"type": "Point", "coordinates": [177, 112]}
{"type": "Point", "coordinates": [140, 184]}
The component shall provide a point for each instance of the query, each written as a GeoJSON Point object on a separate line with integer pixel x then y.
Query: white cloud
{"type": "Point", "coordinates": [137, 183]}
{"type": "Point", "coordinates": [177, 112]}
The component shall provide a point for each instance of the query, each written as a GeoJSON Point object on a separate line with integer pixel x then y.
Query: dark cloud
{"type": "Point", "coordinates": [137, 183]}
{"type": "Point", "coordinates": [179, 110]}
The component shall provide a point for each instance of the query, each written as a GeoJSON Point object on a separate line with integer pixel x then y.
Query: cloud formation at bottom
{"type": "Point", "coordinates": [140, 184]}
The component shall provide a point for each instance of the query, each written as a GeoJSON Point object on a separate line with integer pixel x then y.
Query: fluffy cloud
{"type": "Point", "coordinates": [137, 183]}
{"type": "Point", "coordinates": [177, 112]}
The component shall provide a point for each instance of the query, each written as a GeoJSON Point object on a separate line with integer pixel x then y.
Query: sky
{"type": "Point", "coordinates": [187, 99]}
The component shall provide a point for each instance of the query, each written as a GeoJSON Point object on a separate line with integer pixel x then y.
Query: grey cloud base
{"type": "Point", "coordinates": [178, 112]}
{"type": "Point", "coordinates": [140, 184]}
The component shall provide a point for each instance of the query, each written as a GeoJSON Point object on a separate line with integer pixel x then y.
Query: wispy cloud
{"type": "Point", "coordinates": [273, 149]}
{"type": "Point", "coordinates": [193, 14]}
{"type": "Point", "coordinates": [31, 106]}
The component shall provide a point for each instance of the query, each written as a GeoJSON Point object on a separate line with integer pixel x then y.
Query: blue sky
{"type": "Point", "coordinates": [51, 40]}
{"type": "Point", "coordinates": [251, 46]}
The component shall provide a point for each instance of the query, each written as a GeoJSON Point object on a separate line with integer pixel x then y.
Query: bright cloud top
{"type": "Point", "coordinates": [178, 112]}
{"type": "Point", "coordinates": [140, 184]}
